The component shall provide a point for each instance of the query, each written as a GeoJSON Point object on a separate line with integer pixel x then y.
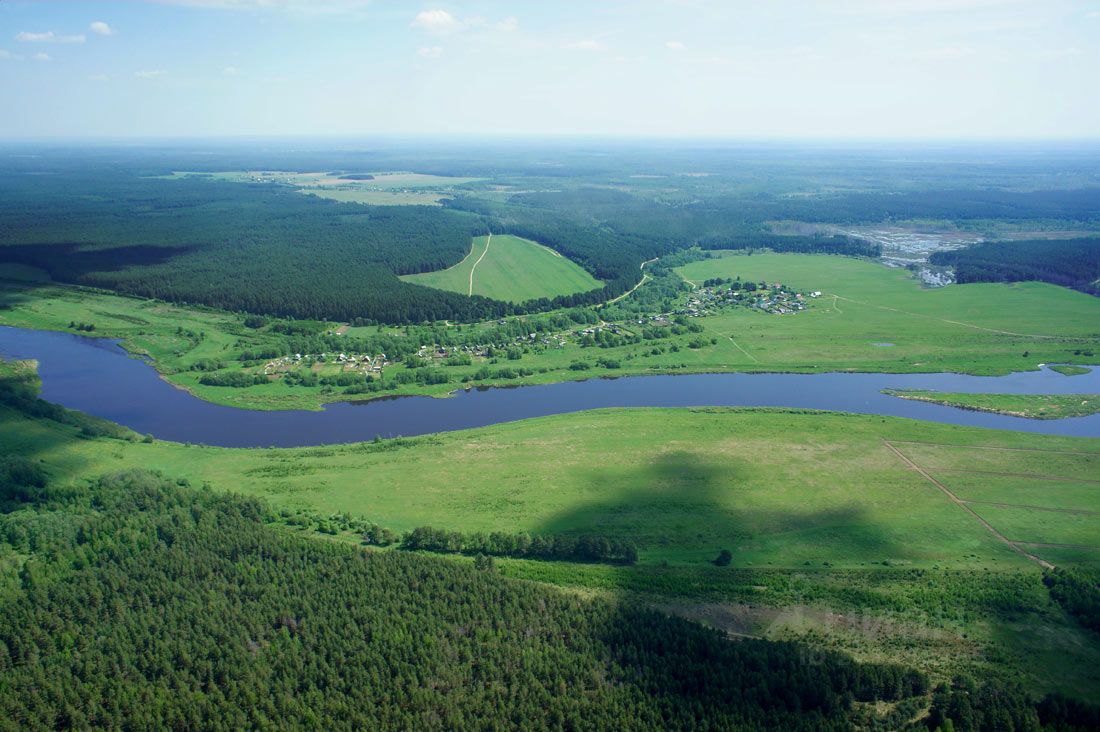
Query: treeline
{"type": "Point", "coordinates": [144, 603]}
{"type": "Point", "coordinates": [1071, 263]}
{"type": "Point", "coordinates": [19, 388]}
{"type": "Point", "coordinates": [714, 223]}
{"type": "Point", "coordinates": [254, 248]}
{"type": "Point", "coordinates": [1078, 592]}
{"type": "Point", "coordinates": [524, 546]}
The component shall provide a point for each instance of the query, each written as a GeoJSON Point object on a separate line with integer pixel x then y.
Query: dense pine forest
{"type": "Point", "coordinates": [1070, 263]}
{"type": "Point", "coordinates": [144, 602]}
{"type": "Point", "coordinates": [136, 600]}
{"type": "Point", "coordinates": [152, 604]}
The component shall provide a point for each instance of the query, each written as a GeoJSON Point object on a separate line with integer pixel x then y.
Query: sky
{"type": "Point", "coordinates": [772, 69]}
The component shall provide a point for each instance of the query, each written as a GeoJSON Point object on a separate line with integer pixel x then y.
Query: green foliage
{"type": "Point", "coordinates": [153, 605]}
{"type": "Point", "coordinates": [498, 543]}
{"type": "Point", "coordinates": [1078, 592]}
{"type": "Point", "coordinates": [1068, 262]}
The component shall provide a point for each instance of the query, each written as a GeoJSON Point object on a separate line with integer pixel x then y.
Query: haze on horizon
{"type": "Point", "coordinates": [952, 69]}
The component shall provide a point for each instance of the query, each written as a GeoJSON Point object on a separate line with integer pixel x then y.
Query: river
{"type": "Point", "coordinates": [96, 376]}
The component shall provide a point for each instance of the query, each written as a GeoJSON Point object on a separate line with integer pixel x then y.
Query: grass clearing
{"type": "Point", "coordinates": [981, 328]}
{"type": "Point", "coordinates": [377, 198]}
{"type": "Point", "coordinates": [1033, 406]}
{"type": "Point", "coordinates": [857, 551]}
{"type": "Point", "coordinates": [509, 268]}
{"type": "Point", "coordinates": [779, 489]}
{"type": "Point", "coordinates": [1044, 527]}
{"type": "Point", "coordinates": [1063, 494]}
{"type": "Point", "coordinates": [1066, 370]}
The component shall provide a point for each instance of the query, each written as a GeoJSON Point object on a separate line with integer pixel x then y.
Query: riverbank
{"type": "Point", "coordinates": [1029, 406]}
{"type": "Point", "coordinates": [199, 348]}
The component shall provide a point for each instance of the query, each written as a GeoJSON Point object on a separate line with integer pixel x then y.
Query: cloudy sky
{"type": "Point", "coordinates": [721, 68]}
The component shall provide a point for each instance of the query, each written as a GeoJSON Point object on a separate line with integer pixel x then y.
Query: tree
{"type": "Point", "coordinates": [724, 558]}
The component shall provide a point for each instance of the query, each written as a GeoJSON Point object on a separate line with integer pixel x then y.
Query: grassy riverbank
{"type": "Point", "coordinates": [834, 536]}
{"type": "Point", "coordinates": [870, 318]}
{"type": "Point", "coordinates": [1032, 406]}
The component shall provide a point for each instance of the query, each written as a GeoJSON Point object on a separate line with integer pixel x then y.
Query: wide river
{"type": "Point", "coordinates": [96, 376]}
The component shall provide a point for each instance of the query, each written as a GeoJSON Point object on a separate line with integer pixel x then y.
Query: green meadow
{"type": "Point", "coordinates": [874, 318]}
{"type": "Point", "coordinates": [834, 537]}
{"type": "Point", "coordinates": [776, 488]}
{"type": "Point", "coordinates": [899, 327]}
{"type": "Point", "coordinates": [1033, 406]}
{"type": "Point", "coordinates": [509, 268]}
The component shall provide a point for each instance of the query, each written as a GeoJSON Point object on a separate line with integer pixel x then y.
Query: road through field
{"type": "Point", "coordinates": [945, 320]}
{"type": "Point", "coordinates": [487, 243]}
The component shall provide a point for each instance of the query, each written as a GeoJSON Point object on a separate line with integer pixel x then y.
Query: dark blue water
{"type": "Point", "coordinates": [96, 376]}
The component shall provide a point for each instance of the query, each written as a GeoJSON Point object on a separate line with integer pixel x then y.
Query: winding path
{"type": "Point", "coordinates": [635, 287]}
{"type": "Point", "coordinates": [487, 243]}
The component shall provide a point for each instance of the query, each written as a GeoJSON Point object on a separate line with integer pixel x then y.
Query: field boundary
{"type": "Point", "coordinates": [988, 447]}
{"type": "Point", "coordinates": [1079, 511]}
{"type": "Point", "coordinates": [1033, 476]}
{"type": "Point", "coordinates": [964, 506]}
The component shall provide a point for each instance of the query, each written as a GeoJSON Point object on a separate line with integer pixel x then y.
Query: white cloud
{"type": "Point", "coordinates": [509, 24]}
{"type": "Point", "coordinates": [100, 28]}
{"type": "Point", "coordinates": [674, 45]}
{"type": "Point", "coordinates": [48, 37]}
{"type": "Point", "coordinates": [42, 57]}
{"type": "Point", "coordinates": [586, 45]}
{"type": "Point", "coordinates": [231, 71]}
{"type": "Point", "coordinates": [98, 77]}
{"type": "Point", "coordinates": [438, 22]}
{"type": "Point", "coordinates": [429, 52]}
{"type": "Point", "coordinates": [6, 55]}
{"type": "Point", "coordinates": [152, 74]}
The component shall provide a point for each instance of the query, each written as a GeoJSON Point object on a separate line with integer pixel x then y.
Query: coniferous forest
{"type": "Point", "coordinates": [150, 604]}
{"type": "Point", "coordinates": [1070, 263]}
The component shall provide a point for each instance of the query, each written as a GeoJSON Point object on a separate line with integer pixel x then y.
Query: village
{"type": "Point", "coordinates": [719, 294]}
{"type": "Point", "coordinates": [711, 297]}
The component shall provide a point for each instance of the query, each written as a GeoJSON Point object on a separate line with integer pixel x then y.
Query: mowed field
{"type": "Point", "coordinates": [882, 319]}
{"type": "Point", "coordinates": [509, 268]}
{"type": "Point", "coordinates": [777, 488]}
{"type": "Point", "coordinates": [1043, 500]}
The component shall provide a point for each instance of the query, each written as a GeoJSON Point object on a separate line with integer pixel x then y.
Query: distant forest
{"type": "Point", "coordinates": [1067, 262]}
{"type": "Point", "coordinates": [266, 249]}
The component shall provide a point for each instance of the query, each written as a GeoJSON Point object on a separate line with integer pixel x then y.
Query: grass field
{"type": "Point", "coordinates": [778, 489]}
{"type": "Point", "coordinates": [1034, 406]}
{"type": "Point", "coordinates": [384, 189]}
{"type": "Point", "coordinates": [835, 539]}
{"type": "Point", "coordinates": [980, 328]}
{"type": "Point", "coordinates": [377, 198]}
{"type": "Point", "coordinates": [506, 267]}
{"type": "Point", "coordinates": [816, 340]}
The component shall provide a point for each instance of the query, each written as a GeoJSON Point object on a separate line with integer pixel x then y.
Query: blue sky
{"type": "Point", "coordinates": [694, 68]}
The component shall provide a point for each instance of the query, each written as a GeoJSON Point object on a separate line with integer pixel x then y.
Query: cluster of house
{"type": "Point", "coordinates": [775, 298]}
{"type": "Point", "coordinates": [350, 362]}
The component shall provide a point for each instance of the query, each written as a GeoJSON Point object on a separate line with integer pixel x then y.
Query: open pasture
{"type": "Point", "coordinates": [779, 489]}
{"type": "Point", "coordinates": [980, 328]}
{"type": "Point", "coordinates": [505, 267]}
{"type": "Point", "coordinates": [1037, 499]}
